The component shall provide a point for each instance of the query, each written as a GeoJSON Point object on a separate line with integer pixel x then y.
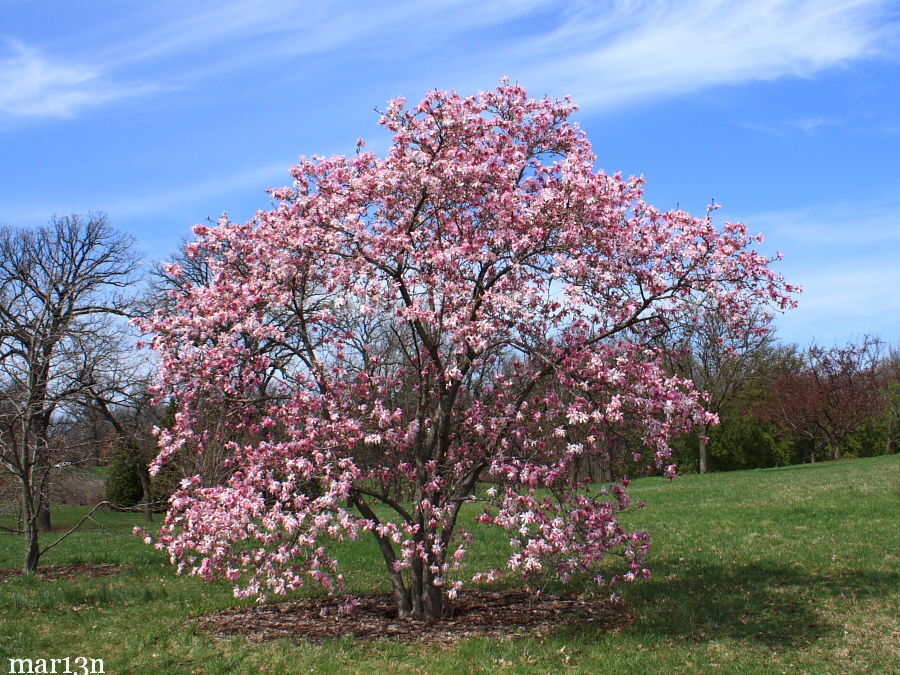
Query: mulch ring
{"type": "Point", "coordinates": [72, 571]}
{"type": "Point", "coordinates": [472, 614]}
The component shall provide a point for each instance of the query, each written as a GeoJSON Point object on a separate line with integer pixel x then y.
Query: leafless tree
{"type": "Point", "coordinates": [165, 288]}
{"type": "Point", "coordinates": [889, 387]}
{"type": "Point", "coordinates": [829, 394]}
{"type": "Point", "coordinates": [116, 387]}
{"type": "Point", "coordinates": [703, 350]}
{"type": "Point", "coordinates": [61, 289]}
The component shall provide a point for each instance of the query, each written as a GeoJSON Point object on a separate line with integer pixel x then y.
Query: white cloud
{"type": "Point", "coordinates": [180, 43]}
{"type": "Point", "coordinates": [843, 299]}
{"type": "Point", "coordinates": [256, 179]}
{"type": "Point", "coordinates": [840, 225]}
{"type": "Point", "coordinates": [845, 257]}
{"type": "Point", "coordinates": [809, 124]}
{"type": "Point", "coordinates": [612, 53]}
{"type": "Point", "coordinates": [34, 85]}
{"type": "Point", "coordinates": [604, 53]}
{"type": "Point", "coordinates": [185, 200]}
{"type": "Point", "coordinates": [806, 125]}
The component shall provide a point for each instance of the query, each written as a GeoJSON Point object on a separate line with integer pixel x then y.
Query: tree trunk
{"type": "Point", "coordinates": [433, 603]}
{"type": "Point", "coordinates": [401, 598]}
{"type": "Point", "coordinates": [32, 548]}
{"type": "Point", "coordinates": [43, 515]}
{"type": "Point", "coordinates": [148, 498]}
{"type": "Point", "coordinates": [423, 601]}
{"type": "Point", "coordinates": [401, 594]}
{"type": "Point", "coordinates": [704, 442]}
{"type": "Point", "coordinates": [420, 600]}
{"type": "Point", "coordinates": [43, 519]}
{"type": "Point", "coordinates": [29, 523]}
{"type": "Point", "coordinates": [837, 451]}
{"type": "Point", "coordinates": [606, 469]}
{"type": "Point", "coordinates": [415, 589]}
{"type": "Point", "coordinates": [427, 600]}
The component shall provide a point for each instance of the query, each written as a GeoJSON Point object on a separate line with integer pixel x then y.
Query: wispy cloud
{"type": "Point", "coordinates": [843, 298]}
{"type": "Point", "coordinates": [852, 289]}
{"type": "Point", "coordinates": [605, 54]}
{"type": "Point", "coordinates": [806, 125]}
{"type": "Point", "coordinates": [618, 52]}
{"type": "Point", "coordinates": [164, 45]}
{"type": "Point", "coordinates": [32, 84]}
{"type": "Point", "coordinates": [810, 124]}
{"type": "Point", "coordinates": [839, 224]}
{"type": "Point", "coordinates": [205, 190]}
{"type": "Point", "coordinates": [845, 257]}
{"type": "Point", "coordinates": [185, 200]}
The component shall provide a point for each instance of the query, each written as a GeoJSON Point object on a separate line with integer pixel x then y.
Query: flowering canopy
{"type": "Point", "coordinates": [474, 309]}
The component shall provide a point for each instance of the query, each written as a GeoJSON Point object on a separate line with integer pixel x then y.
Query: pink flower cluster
{"type": "Point", "coordinates": [478, 305]}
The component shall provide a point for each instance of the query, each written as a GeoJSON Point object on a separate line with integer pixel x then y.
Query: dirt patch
{"type": "Point", "coordinates": [53, 572]}
{"type": "Point", "coordinates": [472, 614]}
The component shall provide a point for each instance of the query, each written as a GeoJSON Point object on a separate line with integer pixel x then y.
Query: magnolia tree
{"type": "Point", "coordinates": [464, 317]}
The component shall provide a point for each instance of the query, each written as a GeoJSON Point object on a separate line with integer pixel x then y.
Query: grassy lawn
{"type": "Point", "coordinates": [780, 570]}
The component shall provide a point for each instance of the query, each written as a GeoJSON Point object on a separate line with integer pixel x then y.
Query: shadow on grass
{"type": "Point", "coordinates": [770, 604]}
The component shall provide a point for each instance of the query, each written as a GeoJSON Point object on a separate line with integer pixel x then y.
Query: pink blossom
{"type": "Point", "coordinates": [478, 305]}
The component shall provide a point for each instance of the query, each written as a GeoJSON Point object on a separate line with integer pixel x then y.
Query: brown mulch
{"type": "Point", "coordinates": [472, 614]}
{"type": "Point", "coordinates": [53, 572]}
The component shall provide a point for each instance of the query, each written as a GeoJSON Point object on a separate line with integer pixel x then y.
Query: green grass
{"type": "Point", "coordinates": [778, 570]}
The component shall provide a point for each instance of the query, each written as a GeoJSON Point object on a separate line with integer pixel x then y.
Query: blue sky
{"type": "Point", "coordinates": [165, 114]}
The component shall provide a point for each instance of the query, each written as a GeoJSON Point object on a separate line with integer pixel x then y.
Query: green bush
{"type": "Point", "coordinates": [123, 486]}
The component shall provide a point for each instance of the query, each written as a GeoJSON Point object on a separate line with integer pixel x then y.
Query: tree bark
{"type": "Point", "coordinates": [145, 487]}
{"type": "Point", "coordinates": [421, 600]}
{"type": "Point", "coordinates": [32, 545]}
{"type": "Point", "coordinates": [433, 602]}
{"type": "Point", "coordinates": [416, 590]}
{"type": "Point", "coordinates": [704, 442]}
{"type": "Point", "coordinates": [401, 594]}
{"type": "Point", "coordinates": [43, 519]}
{"type": "Point", "coordinates": [32, 548]}
{"type": "Point", "coordinates": [427, 599]}
{"type": "Point", "coordinates": [606, 469]}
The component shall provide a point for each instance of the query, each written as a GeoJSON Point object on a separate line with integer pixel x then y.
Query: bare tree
{"type": "Point", "coordinates": [61, 287]}
{"type": "Point", "coordinates": [717, 362]}
{"type": "Point", "coordinates": [889, 379]}
{"type": "Point", "coordinates": [165, 288]}
{"type": "Point", "coordinates": [116, 387]}
{"type": "Point", "coordinates": [829, 394]}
